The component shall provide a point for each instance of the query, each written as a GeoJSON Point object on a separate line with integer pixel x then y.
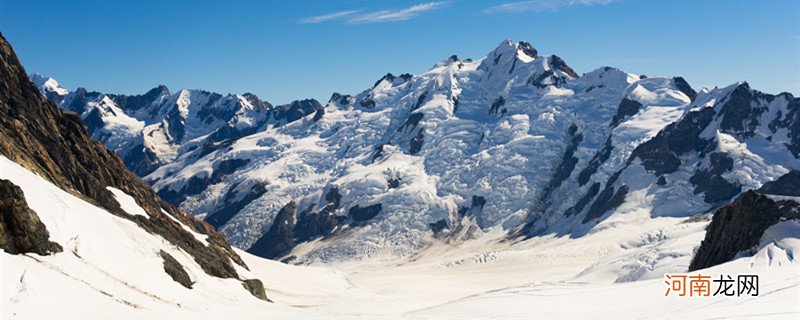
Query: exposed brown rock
{"type": "Point", "coordinates": [175, 270]}
{"type": "Point", "coordinates": [54, 143]}
{"type": "Point", "coordinates": [21, 231]}
{"type": "Point", "coordinates": [739, 226]}
{"type": "Point", "coordinates": [256, 288]}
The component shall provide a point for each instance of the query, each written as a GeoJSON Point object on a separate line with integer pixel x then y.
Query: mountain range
{"type": "Point", "coordinates": [516, 141]}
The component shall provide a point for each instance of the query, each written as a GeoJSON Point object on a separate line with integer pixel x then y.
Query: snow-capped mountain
{"type": "Point", "coordinates": [515, 141]}
{"type": "Point", "coordinates": [155, 128]}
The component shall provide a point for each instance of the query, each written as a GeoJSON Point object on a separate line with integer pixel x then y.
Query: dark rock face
{"type": "Point", "coordinates": [583, 201]}
{"type": "Point", "coordinates": [415, 145]}
{"type": "Point", "coordinates": [175, 270]}
{"type": "Point", "coordinates": [438, 226]}
{"type": "Point", "coordinates": [367, 103]}
{"type": "Point", "coordinates": [93, 121]}
{"type": "Point", "coordinates": [297, 109]}
{"type": "Point", "coordinates": [198, 184]}
{"type": "Point", "coordinates": [233, 206]}
{"type": "Point", "coordinates": [312, 225]}
{"type": "Point", "coordinates": [340, 98]}
{"type": "Point", "coordinates": [597, 160]}
{"type": "Point", "coordinates": [738, 115]}
{"type": "Point", "coordinates": [538, 81]}
{"type": "Point", "coordinates": [528, 49]}
{"type": "Point", "coordinates": [710, 182]}
{"type": "Point", "coordinates": [568, 162]}
{"type": "Point", "coordinates": [284, 233]}
{"type": "Point", "coordinates": [141, 160]}
{"type": "Point", "coordinates": [256, 288]}
{"type": "Point", "coordinates": [176, 125]}
{"type": "Point", "coordinates": [684, 87]}
{"type": "Point", "coordinates": [393, 183]}
{"type": "Point", "coordinates": [660, 154]}
{"type": "Point", "coordinates": [499, 102]}
{"type": "Point", "coordinates": [137, 102]}
{"type": "Point", "coordinates": [420, 101]}
{"type": "Point", "coordinates": [412, 121]}
{"type": "Point", "coordinates": [627, 108]}
{"type": "Point", "coordinates": [279, 239]}
{"type": "Point", "coordinates": [361, 214]}
{"type": "Point", "coordinates": [607, 200]}
{"type": "Point", "coordinates": [739, 226]}
{"type": "Point", "coordinates": [21, 231]}
{"type": "Point", "coordinates": [476, 206]}
{"type": "Point", "coordinates": [208, 113]}
{"type": "Point", "coordinates": [318, 115]}
{"type": "Point", "coordinates": [55, 144]}
{"type": "Point", "coordinates": [786, 185]}
{"type": "Point", "coordinates": [559, 64]}
{"type": "Point", "coordinates": [388, 77]}
{"type": "Point", "coordinates": [478, 202]}
{"type": "Point", "coordinates": [790, 121]}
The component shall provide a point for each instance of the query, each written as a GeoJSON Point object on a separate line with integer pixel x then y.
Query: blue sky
{"type": "Point", "coordinates": [286, 50]}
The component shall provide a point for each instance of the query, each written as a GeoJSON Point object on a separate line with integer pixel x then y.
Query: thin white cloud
{"type": "Point", "coordinates": [542, 5]}
{"type": "Point", "coordinates": [330, 16]}
{"type": "Point", "coordinates": [396, 15]}
{"type": "Point", "coordinates": [387, 15]}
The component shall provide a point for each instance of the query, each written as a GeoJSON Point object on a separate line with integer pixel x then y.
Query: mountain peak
{"type": "Point", "coordinates": [47, 85]}
{"type": "Point", "coordinates": [524, 50]}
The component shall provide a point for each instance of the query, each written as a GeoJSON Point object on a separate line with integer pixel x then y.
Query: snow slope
{"type": "Point", "coordinates": [110, 269]}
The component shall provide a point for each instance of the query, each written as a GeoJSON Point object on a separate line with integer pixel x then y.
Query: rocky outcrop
{"type": "Point", "coordinates": [235, 202]}
{"type": "Point", "coordinates": [297, 109]}
{"type": "Point", "coordinates": [739, 226]}
{"type": "Point", "coordinates": [661, 154]}
{"type": "Point", "coordinates": [256, 288]}
{"type": "Point", "coordinates": [627, 108]}
{"type": "Point", "coordinates": [175, 270]}
{"type": "Point", "coordinates": [361, 214]}
{"type": "Point", "coordinates": [607, 200]}
{"type": "Point", "coordinates": [786, 185]}
{"type": "Point", "coordinates": [290, 228]}
{"type": "Point", "coordinates": [55, 144]}
{"type": "Point", "coordinates": [559, 64]}
{"type": "Point", "coordinates": [499, 102]}
{"type": "Point", "coordinates": [568, 162]}
{"type": "Point", "coordinates": [710, 182]}
{"type": "Point", "coordinates": [279, 239]}
{"type": "Point", "coordinates": [21, 231]}
{"type": "Point", "coordinates": [684, 87]}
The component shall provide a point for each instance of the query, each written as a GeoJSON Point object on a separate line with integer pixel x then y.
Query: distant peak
{"type": "Point", "coordinates": [522, 47]}
{"type": "Point", "coordinates": [47, 84]}
{"type": "Point", "coordinates": [557, 63]}
{"type": "Point", "coordinates": [388, 77]}
{"type": "Point", "coordinates": [160, 89]}
{"type": "Point", "coordinates": [394, 80]}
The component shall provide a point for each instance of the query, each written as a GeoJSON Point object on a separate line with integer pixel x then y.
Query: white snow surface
{"type": "Point", "coordinates": [110, 270]}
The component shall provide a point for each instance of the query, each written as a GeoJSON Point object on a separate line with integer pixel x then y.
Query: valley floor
{"type": "Point", "coordinates": [109, 270]}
